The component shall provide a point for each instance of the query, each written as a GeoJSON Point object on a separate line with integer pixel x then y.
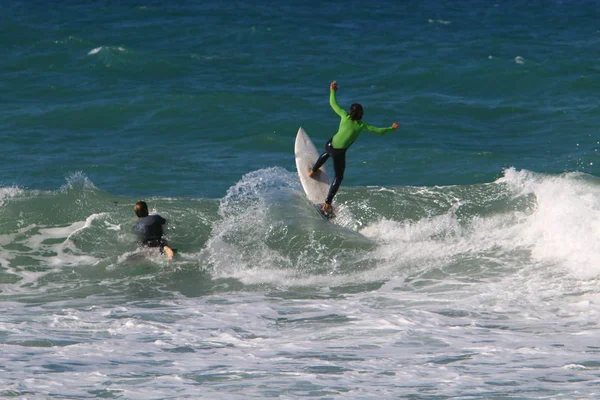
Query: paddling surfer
{"type": "Point", "coordinates": [149, 229]}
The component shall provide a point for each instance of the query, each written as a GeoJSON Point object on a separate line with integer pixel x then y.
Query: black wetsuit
{"type": "Point", "coordinates": [339, 165]}
{"type": "Point", "coordinates": [149, 230]}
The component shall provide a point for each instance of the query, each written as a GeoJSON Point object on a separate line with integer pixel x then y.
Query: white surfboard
{"type": "Point", "coordinates": [316, 188]}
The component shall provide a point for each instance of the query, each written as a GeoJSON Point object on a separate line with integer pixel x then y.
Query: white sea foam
{"type": "Point", "coordinates": [78, 180]}
{"type": "Point", "coordinates": [7, 193]}
{"type": "Point", "coordinates": [438, 21]}
{"type": "Point", "coordinates": [51, 247]}
{"type": "Point", "coordinates": [564, 227]}
{"type": "Point", "coordinates": [98, 49]}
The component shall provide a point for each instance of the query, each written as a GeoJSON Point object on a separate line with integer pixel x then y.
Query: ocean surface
{"type": "Point", "coordinates": [465, 259]}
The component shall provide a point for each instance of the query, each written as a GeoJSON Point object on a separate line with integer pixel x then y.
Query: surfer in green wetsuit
{"type": "Point", "coordinates": [351, 125]}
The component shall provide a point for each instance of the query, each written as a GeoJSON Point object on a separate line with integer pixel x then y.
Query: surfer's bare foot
{"type": "Point", "coordinates": [327, 208]}
{"type": "Point", "coordinates": [169, 252]}
{"type": "Point", "coordinates": [312, 172]}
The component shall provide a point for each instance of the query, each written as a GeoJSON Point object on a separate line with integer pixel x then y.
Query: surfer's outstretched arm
{"type": "Point", "coordinates": [380, 131]}
{"type": "Point", "coordinates": [333, 87]}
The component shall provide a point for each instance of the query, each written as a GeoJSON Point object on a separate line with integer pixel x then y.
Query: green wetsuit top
{"type": "Point", "coordinates": [349, 130]}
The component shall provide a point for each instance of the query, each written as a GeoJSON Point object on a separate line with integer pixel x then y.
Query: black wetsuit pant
{"type": "Point", "coordinates": [153, 242]}
{"type": "Point", "coordinates": [339, 165]}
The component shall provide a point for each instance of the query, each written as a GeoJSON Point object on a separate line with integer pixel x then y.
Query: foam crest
{"type": "Point", "coordinates": [113, 49]}
{"type": "Point", "coordinates": [78, 180]}
{"type": "Point", "coordinates": [237, 241]}
{"type": "Point", "coordinates": [564, 227]}
{"type": "Point", "coordinates": [58, 241]}
{"type": "Point", "coordinates": [9, 193]}
{"type": "Point", "coordinates": [408, 246]}
{"type": "Point", "coordinates": [268, 225]}
{"type": "Point", "coordinates": [252, 190]}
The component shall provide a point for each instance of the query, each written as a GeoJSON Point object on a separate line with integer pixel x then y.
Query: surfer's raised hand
{"type": "Point", "coordinates": [395, 125]}
{"type": "Point", "coordinates": [333, 86]}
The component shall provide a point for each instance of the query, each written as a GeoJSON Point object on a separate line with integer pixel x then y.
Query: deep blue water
{"type": "Point", "coordinates": [194, 96]}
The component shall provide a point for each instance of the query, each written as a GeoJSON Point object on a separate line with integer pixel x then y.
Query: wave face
{"type": "Point", "coordinates": [264, 232]}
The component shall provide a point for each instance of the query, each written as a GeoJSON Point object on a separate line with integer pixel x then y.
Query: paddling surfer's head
{"type": "Point", "coordinates": [356, 112]}
{"type": "Point", "coordinates": [141, 209]}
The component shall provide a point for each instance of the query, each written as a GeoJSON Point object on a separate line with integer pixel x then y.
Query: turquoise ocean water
{"type": "Point", "coordinates": [465, 261]}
